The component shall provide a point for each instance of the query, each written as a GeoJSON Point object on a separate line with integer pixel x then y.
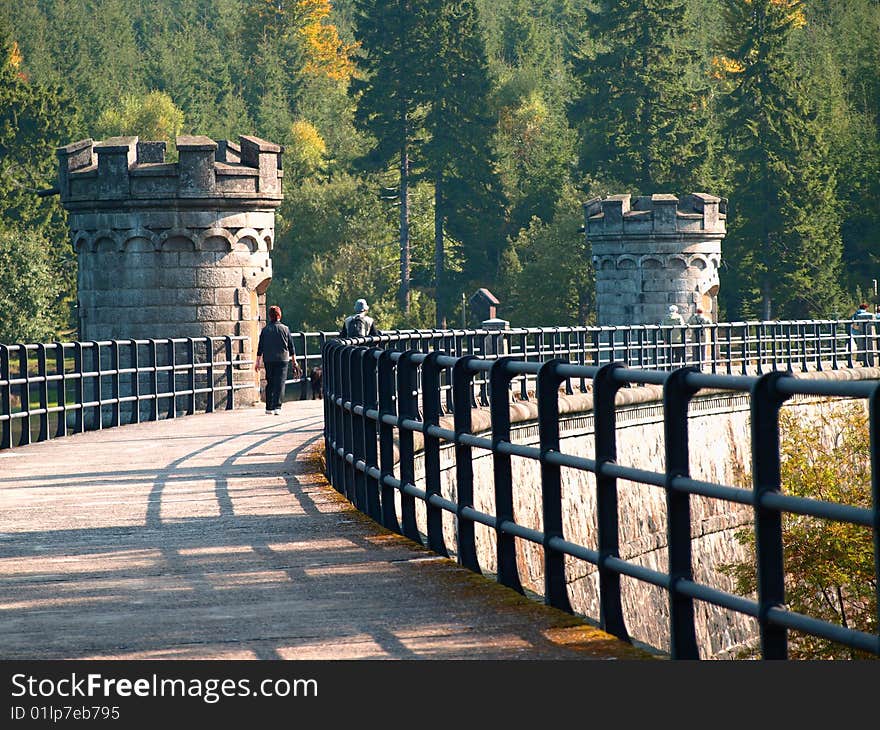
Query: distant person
{"type": "Point", "coordinates": [698, 336]}
{"type": "Point", "coordinates": [861, 332]}
{"type": "Point", "coordinates": [673, 319]}
{"type": "Point", "coordinates": [276, 351]}
{"type": "Point", "coordinates": [359, 324]}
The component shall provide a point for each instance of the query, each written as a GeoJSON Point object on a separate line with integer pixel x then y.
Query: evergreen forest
{"type": "Point", "coordinates": [433, 147]}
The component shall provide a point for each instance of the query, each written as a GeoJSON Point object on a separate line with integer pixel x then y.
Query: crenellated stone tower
{"type": "Point", "coordinates": [168, 249]}
{"type": "Point", "coordinates": [652, 251]}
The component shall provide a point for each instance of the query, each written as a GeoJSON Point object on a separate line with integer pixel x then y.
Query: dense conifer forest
{"type": "Point", "coordinates": [434, 147]}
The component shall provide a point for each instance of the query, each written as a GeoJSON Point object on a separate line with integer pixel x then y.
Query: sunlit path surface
{"type": "Point", "coordinates": [216, 537]}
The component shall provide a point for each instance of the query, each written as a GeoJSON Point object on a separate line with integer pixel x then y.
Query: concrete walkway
{"type": "Point", "coordinates": [216, 537]}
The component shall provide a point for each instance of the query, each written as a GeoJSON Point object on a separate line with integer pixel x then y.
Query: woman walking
{"type": "Point", "coordinates": [275, 350]}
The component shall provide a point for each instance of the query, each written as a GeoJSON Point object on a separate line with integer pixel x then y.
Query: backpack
{"type": "Point", "coordinates": [358, 325]}
{"type": "Point", "coordinates": [856, 327]}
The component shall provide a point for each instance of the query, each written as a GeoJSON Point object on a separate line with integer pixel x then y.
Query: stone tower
{"type": "Point", "coordinates": [652, 251]}
{"type": "Point", "coordinates": [171, 249]}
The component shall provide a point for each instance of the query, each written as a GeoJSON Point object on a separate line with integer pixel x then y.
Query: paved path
{"type": "Point", "coordinates": [216, 537]}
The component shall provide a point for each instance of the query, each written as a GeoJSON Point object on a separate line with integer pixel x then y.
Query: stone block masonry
{"type": "Point", "coordinates": [168, 249]}
{"type": "Point", "coordinates": [652, 251]}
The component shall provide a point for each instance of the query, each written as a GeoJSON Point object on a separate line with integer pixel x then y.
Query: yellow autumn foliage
{"type": "Point", "coordinates": [328, 55]}
{"type": "Point", "coordinates": [305, 153]}
{"type": "Point", "coordinates": [722, 67]}
{"type": "Point", "coordinates": [15, 57]}
{"type": "Point", "coordinates": [795, 8]}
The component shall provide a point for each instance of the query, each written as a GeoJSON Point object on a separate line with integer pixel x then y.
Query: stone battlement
{"type": "Point", "coordinates": [126, 169]}
{"type": "Point", "coordinates": [655, 215]}
{"type": "Point", "coordinates": [651, 251]}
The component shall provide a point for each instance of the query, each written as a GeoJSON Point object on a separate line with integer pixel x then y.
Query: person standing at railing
{"type": "Point", "coordinates": [676, 322]}
{"type": "Point", "coordinates": [861, 335]}
{"type": "Point", "coordinates": [699, 319]}
{"type": "Point", "coordinates": [359, 324]}
{"type": "Point", "coordinates": [275, 350]}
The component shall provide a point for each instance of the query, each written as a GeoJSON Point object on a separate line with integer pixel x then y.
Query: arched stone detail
{"type": "Point", "coordinates": [676, 262]}
{"type": "Point", "coordinates": [140, 234]}
{"type": "Point", "coordinates": [175, 233]}
{"type": "Point", "coordinates": [247, 239]}
{"type": "Point", "coordinates": [650, 262]}
{"type": "Point", "coordinates": [208, 240]}
{"type": "Point", "coordinates": [267, 240]}
{"type": "Point", "coordinates": [181, 242]}
{"type": "Point", "coordinates": [82, 240]}
{"type": "Point", "coordinates": [699, 262]}
{"type": "Point", "coordinates": [139, 244]}
{"type": "Point", "coordinates": [262, 286]}
{"type": "Point", "coordinates": [606, 263]}
{"type": "Point", "coordinates": [105, 235]}
{"type": "Point", "coordinates": [627, 262]}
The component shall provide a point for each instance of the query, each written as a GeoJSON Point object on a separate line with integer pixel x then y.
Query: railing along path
{"type": "Point", "coordinates": [379, 392]}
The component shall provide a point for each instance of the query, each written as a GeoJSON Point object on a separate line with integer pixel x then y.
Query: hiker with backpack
{"type": "Point", "coordinates": [359, 324]}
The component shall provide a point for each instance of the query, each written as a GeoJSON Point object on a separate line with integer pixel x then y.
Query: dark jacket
{"type": "Point", "coordinates": [276, 343]}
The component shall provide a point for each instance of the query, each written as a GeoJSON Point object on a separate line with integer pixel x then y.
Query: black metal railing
{"type": "Point", "coordinates": [731, 348]}
{"type": "Point", "coordinates": [51, 390]}
{"type": "Point", "coordinates": [96, 391]}
{"type": "Point", "coordinates": [377, 397]}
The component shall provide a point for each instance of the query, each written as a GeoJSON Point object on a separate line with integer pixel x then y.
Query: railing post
{"type": "Point", "coordinates": [802, 333]}
{"type": "Point", "coordinates": [172, 379]}
{"type": "Point", "coordinates": [463, 396]}
{"type": "Point", "coordinates": [79, 388]}
{"type": "Point", "coordinates": [549, 380]}
{"type": "Point", "coordinates": [407, 409]}
{"type": "Point", "coordinates": [154, 379]}
{"type": "Point", "coordinates": [304, 370]}
{"type": "Point", "coordinates": [97, 385]}
{"type": "Point", "coordinates": [341, 420]}
{"type": "Point", "coordinates": [677, 395]}
{"type": "Point", "coordinates": [431, 417]}
{"type": "Point", "coordinates": [346, 426]}
{"type": "Point", "coordinates": [327, 386]}
{"type": "Point", "coordinates": [387, 390]}
{"type": "Point", "coordinates": [5, 399]}
{"type": "Point", "coordinates": [24, 437]}
{"type": "Point", "coordinates": [605, 434]}
{"type": "Point", "coordinates": [43, 389]}
{"type": "Point", "coordinates": [582, 356]}
{"type": "Point", "coordinates": [135, 381]}
{"type": "Point", "coordinates": [356, 369]}
{"type": "Point", "coordinates": [766, 401]}
{"type": "Point", "coordinates": [370, 400]}
{"type": "Point", "coordinates": [191, 374]}
{"type": "Point", "coordinates": [874, 437]}
{"type": "Point", "coordinates": [230, 374]}
{"type": "Point", "coordinates": [759, 347]}
{"type": "Point", "coordinates": [334, 423]}
{"type": "Point", "coordinates": [499, 399]}
{"type": "Point", "coordinates": [115, 409]}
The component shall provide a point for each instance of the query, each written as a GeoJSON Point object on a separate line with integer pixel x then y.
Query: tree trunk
{"type": "Point", "coordinates": [403, 294]}
{"type": "Point", "coordinates": [766, 300]}
{"type": "Point", "coordinates": [439, 254]}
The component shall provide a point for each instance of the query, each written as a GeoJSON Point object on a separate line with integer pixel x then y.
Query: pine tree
{"type": "Point", "coordinates": [783, 243]}
{"type": "Point", "coordinates": [391, 34]}
{"type": "Point", "coordinates": [642, 112]}
{"type": "Point", "coordinates": [457, 155]}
